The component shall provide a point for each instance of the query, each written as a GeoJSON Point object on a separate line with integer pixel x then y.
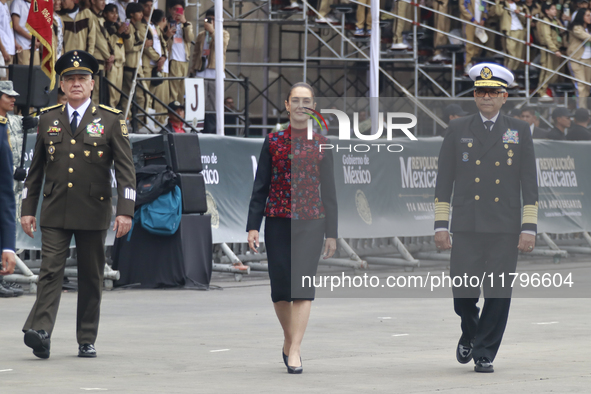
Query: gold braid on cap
{"type": "Point", "coordinates": [530, 214]}
{"type": "Point", "coordinates": [76, 69]}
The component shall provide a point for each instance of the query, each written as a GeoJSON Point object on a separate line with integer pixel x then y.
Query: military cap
{"type": "Point", "coordinates": [76, 62]}
{"type": "Point", "coordinates": [490, 75]}
{"type": "Point", "coordinates": [7, 88]}
{"type": "Point", "coordinates": [176, 105]}
{"type": "Point", "coordinates": [560, 111]}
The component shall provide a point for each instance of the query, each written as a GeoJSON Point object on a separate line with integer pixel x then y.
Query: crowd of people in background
{"type": "Point", "coordinates": [559, 26]}
{"type": "Point", "coordinates": [114, 32]}
{"type": "Point", "coordinates": [565, 125]}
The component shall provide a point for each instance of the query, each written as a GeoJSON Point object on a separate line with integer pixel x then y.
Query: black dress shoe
{"type": "Point", "coordinates": [38, 341]}
{"type": "Point", "coordinates": [464, 350]}
{"type": "Point", "coordinates": [483, 364]}
{"type": "Point", "coordinates": [86, 350]}
{"type": "Point", "coordinates": [16, 289]}
{"type": "Point", "coordinates": [296, 370]}
{"type": "Point", "coordinates": [285, 357]}
{"type": "Point", "coordinates": [5, 291]}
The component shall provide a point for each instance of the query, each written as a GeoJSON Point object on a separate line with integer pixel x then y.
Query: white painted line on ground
{"type": "Point", "coordinates": [384, 318]}
{"type": "Point", "coordinates": [92, 389]}
{"type": "Point", "coordinates": [5, 370]}
{"type": "Point", "coordinates": [399, 335]}
{"type": "Point", "coordinates": [549, 322]}
{"type": "Point", "coordinates": [219, 350]}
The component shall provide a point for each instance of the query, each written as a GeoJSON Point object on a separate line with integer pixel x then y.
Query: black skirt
{"type": "Point", "coordinates": [293, 251]}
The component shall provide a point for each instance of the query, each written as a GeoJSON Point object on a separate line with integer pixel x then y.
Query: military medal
{"type": "Point", "coordinates": [100, 153]}
{"type": "Point", "coordinates": [95, 130]}
{"type": "Point", "coordinates": [86, 153]}
{"type": "Point", "coordinates": [511, 137]}
{"type": "Point", "coordinates": [465, 156]}
{"type": "Point", "coordinates": [506, 146]}
{"type": "Point", "coordinates": [51, 150]}
{"type": "Point", "coordinates": [510, 153]}
{"type": "Point", "coordinates": [509, 162]}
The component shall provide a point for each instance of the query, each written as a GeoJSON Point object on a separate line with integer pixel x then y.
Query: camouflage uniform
{"type": "Point", "coordinates": [15, 140]}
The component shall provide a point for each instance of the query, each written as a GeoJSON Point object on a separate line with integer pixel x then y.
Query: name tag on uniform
{"type": "Point", "coordinates": [53, 131]}
{"type": "Point", "coordinates": [466, 140]}
{"type": "Point", "coordinates": [95, 130]}
{"type": "Point", "coordinates": [511, 137]}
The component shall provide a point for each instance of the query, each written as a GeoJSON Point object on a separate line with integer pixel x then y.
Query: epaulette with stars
{"type": "Point", "coordinates": [111, 109]}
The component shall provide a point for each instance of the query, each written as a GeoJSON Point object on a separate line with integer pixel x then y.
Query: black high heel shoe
{"type": "Point", "coordinates": [285, 357]}
{"type": "Point", "coordinates": [295, 370]}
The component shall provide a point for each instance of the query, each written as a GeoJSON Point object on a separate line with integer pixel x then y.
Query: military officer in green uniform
{"type": "Point", "coordinates": [77, 144]}
{"type": "Point", "coordinates": [487, 160]}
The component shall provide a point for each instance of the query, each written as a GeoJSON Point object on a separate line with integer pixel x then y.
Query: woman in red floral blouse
{"type": "Point", "coordinates": [295, 190]}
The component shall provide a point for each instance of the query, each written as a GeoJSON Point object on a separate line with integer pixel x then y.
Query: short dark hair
{"type": "Point", "coordinates": [143, 2]}
{"type": "Point", "coordinates": [111, 7]}
{"type": "Point", "coordinates": [210, 12]}
{"type": "Point", "coordinates": [528, 109]}
{"type": "Point", "coordinates": [174, 3]}
{"type": "Point", "coordinates": [132, 8]}
{"type": "Point", "coordinates": [582, 115]}
{"type": "Point", "coordinates": [157, 16]}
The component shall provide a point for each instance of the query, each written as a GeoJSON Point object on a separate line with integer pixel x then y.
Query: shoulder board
{"type": "Point", "coordinates": [43, 110]}
{"type": "Point", "coordinates": [113, 110]}
{"type": "Point", "coordinates": [3, 120]}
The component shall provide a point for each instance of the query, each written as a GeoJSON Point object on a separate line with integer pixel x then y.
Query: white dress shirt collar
{"type": "Point", "coordinates": [493, 119]}
{"type": "Point", "coordinates": [81, 111]}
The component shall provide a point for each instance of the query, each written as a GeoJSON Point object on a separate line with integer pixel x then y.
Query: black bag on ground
{"type": "Point", "coordinates": [153, 181]}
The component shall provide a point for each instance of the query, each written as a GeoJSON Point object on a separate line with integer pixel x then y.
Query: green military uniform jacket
{"type": "Point", "coordinates": [77, 167]}
{"type": "Point", "coordinates": [489, 174]}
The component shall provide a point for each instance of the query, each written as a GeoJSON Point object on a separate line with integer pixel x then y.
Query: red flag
{"type": "Point", "coordinates": [39, 24]}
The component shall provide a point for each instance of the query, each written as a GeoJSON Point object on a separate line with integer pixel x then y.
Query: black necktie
{"type": "Point", "coordinates": [74, 123]}
{"type": "Point", "coordinates": [489, 124]}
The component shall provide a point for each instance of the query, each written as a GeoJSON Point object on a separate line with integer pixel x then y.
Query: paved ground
{"type": "Point", "coordinates": [229, 341]}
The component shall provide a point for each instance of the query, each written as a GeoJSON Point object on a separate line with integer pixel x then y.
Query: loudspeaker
{"type": "Point", "coordinates": [197, 249]}
{"type": "Point", "coordinates": [41, 96]}
{"type": "Point", "coordinates": [185, 154]}
{"type": "Point", "coordinates": [193, 191]}
{"type": "Point", "coordinates": [148, 151]}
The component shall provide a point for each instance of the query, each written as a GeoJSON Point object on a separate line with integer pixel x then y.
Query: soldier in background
{"type": "Point", "coordinates": [77, 145]}
{"type": "Point", "coordinates": [15, 141]}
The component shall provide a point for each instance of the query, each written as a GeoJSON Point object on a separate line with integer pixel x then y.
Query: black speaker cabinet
{"type": "Point", "coordinates": [151, 150]}
{"type": "Point", "coordinates": [41, 96]}
{"type": "Point", "coordinates": [197, 249]}
{"type": "Point", "coordinates": [185, 154]}
{"type": "Point", "coordinates": [193, 190]}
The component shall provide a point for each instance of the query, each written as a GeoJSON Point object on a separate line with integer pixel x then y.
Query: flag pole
{"type": "Point", "coordinates": [27, 109]}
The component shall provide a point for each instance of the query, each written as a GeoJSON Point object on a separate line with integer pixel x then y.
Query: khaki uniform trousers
{"type": "Point", "coordinates": [115, 76]}
{"type": "Point", "coordinates": [515, 49]}
{"type": "Point", "coordinates": [363, 15]}
{"type": "Point", "coordinates": [24, 57]}
{"type": "Point", "coordinates": [55, 248]}
{"type": "Point", "coordinates": [441, 22]}
{"type": "Point", "coordinates": [549, 61]}
{"type": "Point", "coordinates": [177, 87]}
{"type": "Point", "coordinates": [584, 74]}
{"type": "Point", "coordinates": [404, 9]}
{"type": "Point", "coordinates": [471, 49]}
{"type": "Point", "coordinates": [162, 91]}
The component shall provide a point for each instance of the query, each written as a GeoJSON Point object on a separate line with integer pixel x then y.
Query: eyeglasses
{"type": "Point", "coordinates": [491, 94]}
